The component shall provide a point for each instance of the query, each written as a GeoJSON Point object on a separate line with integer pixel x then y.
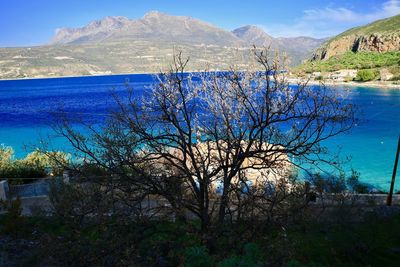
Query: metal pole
{"type": "Point", "coordinates": [389, 198]}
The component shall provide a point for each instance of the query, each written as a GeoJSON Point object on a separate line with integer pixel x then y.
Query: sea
{"type": "Point", "coordinates": [28, 108]}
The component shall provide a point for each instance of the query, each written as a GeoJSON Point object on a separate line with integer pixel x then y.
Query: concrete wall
{"type": "Point", "coordinates": [36, 206]}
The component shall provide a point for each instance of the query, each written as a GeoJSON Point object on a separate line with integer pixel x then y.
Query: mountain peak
{"type": "Point", "coordinates": [101, 28]}
{"type": "Point", "coordinates": [253, 35]}
{"type": "Point", "coordinates": [109, 22]}
{"type": "Point", "coordinates": [249, 29]}
{"type": "Point", "coordinates": [154, 14]}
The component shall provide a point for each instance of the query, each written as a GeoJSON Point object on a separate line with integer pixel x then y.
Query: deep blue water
{"type": "Point", "coordinates": [25, 106]}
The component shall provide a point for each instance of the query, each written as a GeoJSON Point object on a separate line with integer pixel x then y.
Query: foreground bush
{"type": "Point", "coordinates": [12, 222]}
{"type": "Point", "coordinates": [19, 169]}
{"type": "Point", "coordinates": [372, 241]}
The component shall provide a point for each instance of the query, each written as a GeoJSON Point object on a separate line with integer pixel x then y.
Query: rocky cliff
{"type": "Point", "coordinates": [380, 36]}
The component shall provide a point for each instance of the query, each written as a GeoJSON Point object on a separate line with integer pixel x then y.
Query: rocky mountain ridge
{"type": "Point", "coordinates": [153, 25]}
{"type": "Point", "coordinates": [121, 45]}
{"type": "Point", "coordinates": [380, 36]}
{"type": "Point", "coordinates": [161, 27]}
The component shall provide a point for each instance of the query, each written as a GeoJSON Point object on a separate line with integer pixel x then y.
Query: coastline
{"type": "Point", "coordinates": [77, 76]}
{"type": "Point", "coordinates": [372, 84]}
{"type": "Point", "coordinates": [296, 80]}
{"type": "Point", "coordinates": [375, 84]}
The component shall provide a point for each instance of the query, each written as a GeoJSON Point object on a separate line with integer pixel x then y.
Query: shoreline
{"type": "Point", "coordinates": [375, 84]}
{"type": "Point", "coordinates": [296, 80]}
{"type": "Point", "coordinates": [371, 84]}
{"type": "Point", "coordinates": [77, 76]}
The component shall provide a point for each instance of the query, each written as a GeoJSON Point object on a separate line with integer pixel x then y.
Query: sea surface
{"type": "Point", "coordinates": [28, 106]}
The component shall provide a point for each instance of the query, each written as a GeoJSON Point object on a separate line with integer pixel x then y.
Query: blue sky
{"type": "Point", "coordinates": [33, 22]}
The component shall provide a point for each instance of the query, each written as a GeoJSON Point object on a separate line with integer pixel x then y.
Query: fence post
{"type": "Point", "coordinates": [4, 189]}
{"type": "Point", "coordinates": [390, 196]}
{"type": "Point", "coordinates": [66, 176]}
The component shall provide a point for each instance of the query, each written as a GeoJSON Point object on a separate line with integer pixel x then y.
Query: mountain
{"type": "Point", "coordinates": [380, 36]}
{"type": "Point", "coordinates": [254, 35]}
{"type": "Point", "coordinates": [302, 44]}
{"type": "Point", "coordinates": [155, 26]}
{"type": "Point", "coordinates": [297, 48]}
{"type": "Point", "coordinates": [123, 45]}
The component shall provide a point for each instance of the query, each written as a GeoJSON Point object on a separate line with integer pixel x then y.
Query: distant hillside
{"type": "Point", "coordinates": [351, 60]}
{"type": "Point", "coordinates": [380, 36]}
{"type": "Point", "coordinates": [123, 45]}
{"type": "Point", "coordinates": [373, 46]}
{"type": "Point", "coordinates": [297, 48]}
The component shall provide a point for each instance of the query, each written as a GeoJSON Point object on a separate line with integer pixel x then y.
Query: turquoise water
{"type": "Point", "coordinates": [372, 144]}
{"type": "Point", "coordinates": [26, 108]}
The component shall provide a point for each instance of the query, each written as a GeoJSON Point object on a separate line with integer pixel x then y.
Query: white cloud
{"type": "Point", "coordinates": [331, 21]}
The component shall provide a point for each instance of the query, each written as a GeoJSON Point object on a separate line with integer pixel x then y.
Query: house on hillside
{"type": "Point", "coordinates": [343, 75]}
{"type": "Point", "coordinates": [269, 166]}
{"type": "Point", "coordinates": [316, 74]}
{"type": "Point", "coordinates": [385, 75]}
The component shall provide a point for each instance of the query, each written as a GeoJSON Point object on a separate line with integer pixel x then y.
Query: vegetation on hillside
{"type": "Point", "coordinates": [395, 70]}
{"type": "Point", "coordinates": [35, 165]}
{"type": "Point", "coordinates": [387, 25]}
{"type": "Point", "coordinates": [338, 236]}
{"type": "Point", "coordinates": [351, 60]}
{"type": "Point", "coordinates": [379, 36]}
{"type": "Point", "coordinates": [366, 75]}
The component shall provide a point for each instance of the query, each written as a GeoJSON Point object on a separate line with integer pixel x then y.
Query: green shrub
{"type": "Point", "coordinates": [348, 78]}
{"type": "Point", "coordinates": [54, 161]}
{"type": "Point", "coordinates": [6, 154]}
{"type": "Point", "coordinates": [295, 263]}
{"type": "Point", "coordinates": [339, 183]}
{"type": "Point", "coordinates": [12, 222]}
{"type": "Point", "coordinates": [330, 184]}
{"type": "Point", "coordinates": [366, 75]}
{"type": "Point", "coordinates": [395, 69]}
{"type": "Point", "coordinates": [34, 165]}
{"type": "Point", "coordinates": [198, 256]}
{"type": "Point", "coordinates": [395, 78]}
{"type": "Point", "coordinates": [252, 257]}
{"type": "Point", "coordinates": [19, 169]}
{"type": "Point", "coordinates": [355, 185]}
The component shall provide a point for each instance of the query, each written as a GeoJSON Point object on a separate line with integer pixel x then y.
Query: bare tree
{"type": "Point", "coordinates": [198, 140]}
